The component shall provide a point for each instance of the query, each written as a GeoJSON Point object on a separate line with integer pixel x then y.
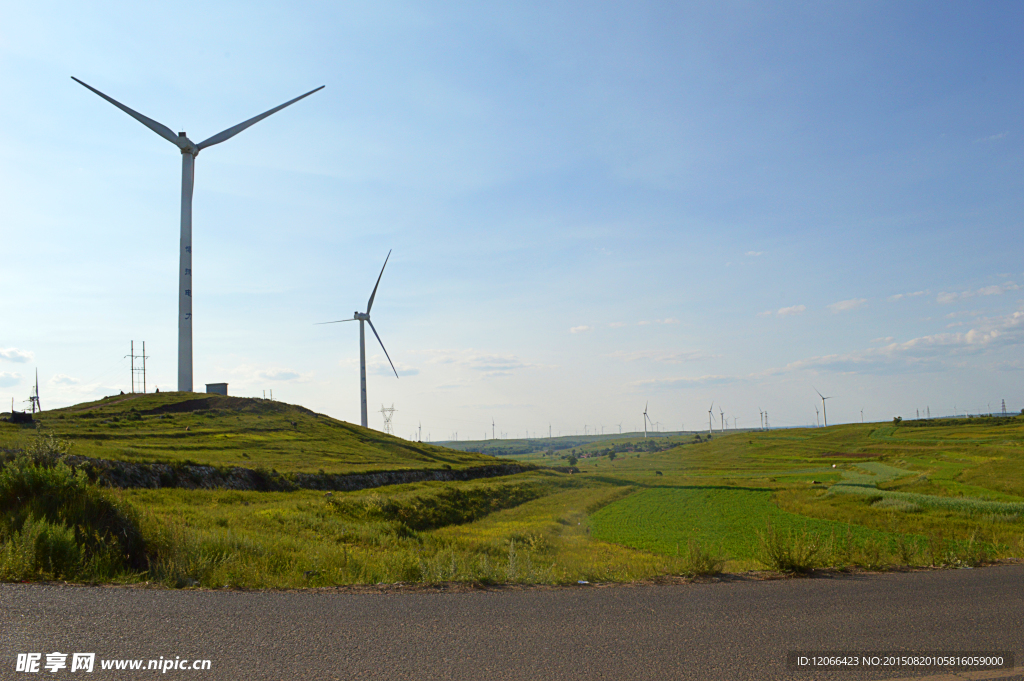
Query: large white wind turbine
{"type": "Point", "coordinates": [824, 414]}
{"type": "Point", "coordinates": [365, 317]}
{"type": "Point", "coordinates": [189, 151]}
{"type": "Point", "coordinates": [646, 419]}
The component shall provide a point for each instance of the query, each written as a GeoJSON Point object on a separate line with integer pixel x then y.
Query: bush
{"type": "Point", "coordinates": [793, 552]}
{"type": "Point", "coordinates": [700, 562]}
{"type": "Point", "coordinates": [55, 525]}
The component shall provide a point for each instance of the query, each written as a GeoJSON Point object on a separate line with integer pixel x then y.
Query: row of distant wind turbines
{"type": "Point", "coordinates": [763, 413]}
{"type": "Point", "coordinates": [189, 151]}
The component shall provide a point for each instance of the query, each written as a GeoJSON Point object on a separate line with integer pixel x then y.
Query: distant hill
{"type": "Point", "coordinates": [228, 431]}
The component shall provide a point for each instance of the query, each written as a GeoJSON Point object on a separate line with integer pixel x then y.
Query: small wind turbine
{"type": "Point", "coordinates": [33, 398]}
{"type": "Point", "coordinates": [817, 421]}
{"type": "Point", "coordinates": [761, 413]}
{"type": "Point", "coordinates": [189, 151]}
{"type": "Point", "coordinates": [824, 412]}
{"type": "Point", "coordinates": [362, 317]}
{"type": "Point", "coordinates": [646, 419]}
{"type": "Point", "coordinates": [721, 414]}
{"type": "Point", "coordinates": [862, 414]}
{"type": "Point", "coordinates": [710, 422]}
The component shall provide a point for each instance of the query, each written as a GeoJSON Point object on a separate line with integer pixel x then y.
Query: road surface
{"type": "Point", "coordinates": [735, 629]}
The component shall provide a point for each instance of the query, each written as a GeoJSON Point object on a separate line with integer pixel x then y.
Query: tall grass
{"type": "Point", "coordinates": [55, 525]}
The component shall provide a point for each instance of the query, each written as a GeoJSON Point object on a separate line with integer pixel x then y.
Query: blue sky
{"type": "Point", "coordinates": [592, 206]}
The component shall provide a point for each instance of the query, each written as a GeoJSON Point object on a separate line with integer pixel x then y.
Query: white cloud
{"type": "Point", "coordinates": [644, 323]}
{"type": "Point", "coordinates": [667, 320]}
{"type": "Point", "coordinates": [64, 379]}
{"type": "Point", "coordinates": [993, 290]}
{"type": "Point", "coordinates": [784, 311]}
{"type": "Point", "coordinates": [846, 305]}
{"type": "Point", "coordinates": [755, 253]}
{"type": "Point", "coordinates": [886, 339]}
{"type": "Point", "coordinates": [581, 329]}
{"type": "Point", "coordinates": [15, 355]}
{"type": "Point", "coordinates": [249, 375]}
{"type": "Point", "coordinates": [900, 296]}
{"type": "Point", "coordinates": [378, 364]}
{"type": "Point", "coordinates": [617, 325]}
{"type": "Point", "coordinates": [277, 374]}
{"type": "Point", "coordinates": [925, 352]}
{"type": "Point", "coordinates": [992, 138]}
{"type": "Point", "coordinates": [7, 379]}
{"type": "Point", "coordinates": [489, 364]}
{"type": "Point", "coordinates": [686, 381]}
{"type": "Point", "coordinates": [663, 356]}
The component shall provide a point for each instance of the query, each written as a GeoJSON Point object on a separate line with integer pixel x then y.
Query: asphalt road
{"type": "Point", "coordinates": [737, 629]}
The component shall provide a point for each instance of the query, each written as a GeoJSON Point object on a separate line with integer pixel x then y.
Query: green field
{"type": "Point", "coordinates": [942, 493]}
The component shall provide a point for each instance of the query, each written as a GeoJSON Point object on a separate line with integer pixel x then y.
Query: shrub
{"type": "Point", "coordinates": [793, 552]}
{"type": "Point", "coordinates": [701, 562]}
{"type": "Point", "coordinates": [55, 525]}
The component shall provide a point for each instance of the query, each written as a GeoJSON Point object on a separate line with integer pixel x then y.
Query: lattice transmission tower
{"type": "Point", "coordinates": [388, 413]}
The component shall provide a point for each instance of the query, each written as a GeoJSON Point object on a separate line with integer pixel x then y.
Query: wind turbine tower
{"type": "Point", "coordinates": [721, 414]}
{"type": "Point", "coordinates": [33, 398]}
{"type": "Point", "coordinates": [364, 318]}
{"type": "Point", "coordinates": [824, 413]}
{"type": "Point", "coordinates": [710, 423]}
{"type": "Point", "coordinates": [646, 419]}
{"type": "Point", "coordinates": [189, 151]}
{"type": "Point", "coordinates": [817, 421]}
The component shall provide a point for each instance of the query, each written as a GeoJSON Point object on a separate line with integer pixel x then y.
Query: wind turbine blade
{"type": "Point", "coordinates": [337, 321]}
{"type": "Point", "coordinates": [819, 394]}
{"type": "Point", "coordinates": [158, 128]}
{"type": "Point", "coordinates": [231, 132]}
{"type": "Point", "coordinates": [383, 348]}
{"type": "Point", "coordinates": [370, 304]}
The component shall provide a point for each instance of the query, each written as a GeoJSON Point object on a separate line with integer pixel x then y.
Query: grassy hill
{"type": "Point", "coordinates": [919, 493]}
{"type": "Point", "coordinates": [229, 431]}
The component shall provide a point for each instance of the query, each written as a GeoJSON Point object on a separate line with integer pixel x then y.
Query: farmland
{"type": "Point", "coordinates": [870, 495]}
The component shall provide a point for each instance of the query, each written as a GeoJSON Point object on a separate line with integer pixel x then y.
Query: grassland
{"type": "Point", "coordinates": [870, 495]}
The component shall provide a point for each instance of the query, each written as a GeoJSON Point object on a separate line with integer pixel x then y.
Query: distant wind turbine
{"type": "Point", "coordinates": [646, 419]}
{"type": "Point", "coordinates": [824, 413]}
{"type": "Point", "coordinates": [721, 414]}
{"type": "Point", "coordinates": [817, 421]}
{"type": "Point", "coordinates": [710, 422]}
{"type": "Point", "coordinates": [189, 151]}
{"type": "Point", "coordinates": [362, 317]}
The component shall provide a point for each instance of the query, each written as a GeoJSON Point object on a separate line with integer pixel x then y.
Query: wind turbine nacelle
{"type": "Point", "coordinates": [361, 316]}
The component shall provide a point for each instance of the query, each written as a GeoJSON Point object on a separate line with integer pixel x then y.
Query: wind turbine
{"type": "Point", "coordinates": [722, 415]}
{"type": "Point", "coordinates": [33, 398]}
{"type": "Point", "coordinates": [817, 422]}
{"type": "Point", "coordinates": [189, 151]}
{"type": "Point", "coordinates": [710, 412]}
{"type": "Point", "coordinates": [824, 413]}
{"type": "Point", "coordinates": [365, 317]}
{"type": "Point", "coordinates": [762, 417]}
{"type": "Point", "coordinates": [646, 419]}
